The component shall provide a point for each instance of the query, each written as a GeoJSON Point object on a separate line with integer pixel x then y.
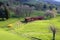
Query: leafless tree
{"type": "Point", "coordinates": [22, 10]}
{"type": "Point", "coordinates": [53, 29]}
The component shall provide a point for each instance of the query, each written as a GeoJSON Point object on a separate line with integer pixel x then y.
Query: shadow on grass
{"type": "Point", "coordinates": [34, 38]}
{"type": "Point", "coordinates": [2, 20]}
{"type": "Point", "coordinates": [6, 28]}
{"type": "Point", "coordinates": [24, 22]}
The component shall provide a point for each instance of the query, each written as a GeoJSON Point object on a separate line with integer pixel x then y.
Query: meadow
{"type": "Point", "coordinates": [26, 31]}
{"type": "Point", "coordinates": [12, 26]}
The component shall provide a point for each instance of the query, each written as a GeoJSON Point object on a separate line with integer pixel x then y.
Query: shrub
{"type": "Point", "coordinates": [51, 13]}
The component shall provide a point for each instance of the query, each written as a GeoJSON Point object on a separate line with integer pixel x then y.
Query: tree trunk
{"type": "Point", "coordinates": [53, 36]}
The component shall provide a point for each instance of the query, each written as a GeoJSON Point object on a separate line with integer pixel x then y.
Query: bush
{"type": "Point", "coordinates": [51, 13]}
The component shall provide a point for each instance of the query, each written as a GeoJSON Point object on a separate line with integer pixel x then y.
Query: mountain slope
{"type": "Point", "coordinates": [38, 1]}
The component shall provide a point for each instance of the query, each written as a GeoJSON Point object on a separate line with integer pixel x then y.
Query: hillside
{"type": "Point", "coordinates": [38, 1]}
{"type": "Point", "coordinates": [38, 29]}
{"type": "Point", "coordinates": [5, 35]}
{"type": "Point", "coordinates": [27, 23]}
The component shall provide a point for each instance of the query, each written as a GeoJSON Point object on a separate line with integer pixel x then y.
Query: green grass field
{"type": "Point", "coordinates": [22, 31]}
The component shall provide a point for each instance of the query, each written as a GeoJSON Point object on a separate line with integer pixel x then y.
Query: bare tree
{"type": "Point", "coordinates": [53, 29]}
{"type": "Point", "coordinates": [22, 10]}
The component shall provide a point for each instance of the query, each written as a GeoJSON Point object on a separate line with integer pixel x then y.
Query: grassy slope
{"type": "Point", "coordinates": [40, 29]}
{"type": "Point", "coordinates": [8, 35]}
{"type": "Point", "coordinates": [9, 21]}
{"type": "Point", "coordinates": [4, 35]}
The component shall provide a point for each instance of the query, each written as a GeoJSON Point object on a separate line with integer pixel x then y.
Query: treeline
{"type": "Point", "coordinates": [26, 10]}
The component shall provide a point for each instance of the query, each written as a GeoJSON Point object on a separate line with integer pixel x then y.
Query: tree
{"type": "Point", "coordinates": [54, 12]}
{"type": "Point", "coordinates": [23, 10]}
{"type": "Point", "coordinates": [6, 12]}
{"type": "Point", "coordinates": [53, 29]}
{"type": "Point", "coordinates": [3, 11]}
{"type": "Point", "coordinates": [44, 7]}
{"type": "Point", "coordinates": [51, 13]}
{"type": "Point", "coordinates": [39, 6]}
